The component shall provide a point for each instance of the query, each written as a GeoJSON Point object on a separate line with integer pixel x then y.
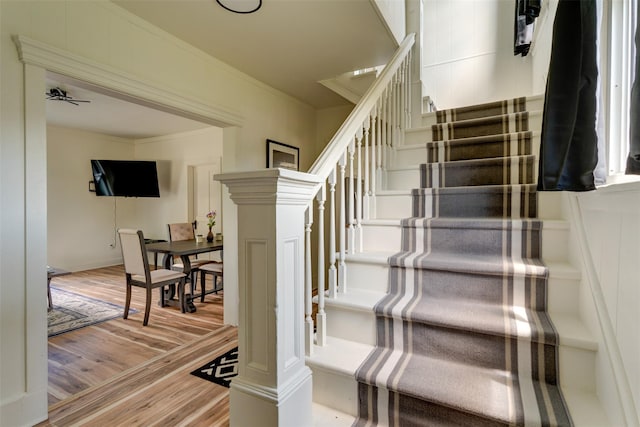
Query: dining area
{"type": "Point", "coordinates": [181, 277]}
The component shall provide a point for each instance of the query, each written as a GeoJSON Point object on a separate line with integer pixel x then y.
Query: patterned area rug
{"type": "Point", "coordinates": [73, 311]}
{"type": "Point", "coordinates": [221, 369]}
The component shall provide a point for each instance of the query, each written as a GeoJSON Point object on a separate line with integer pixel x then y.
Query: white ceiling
{"type": "Point", "coordinates": [109, 115]}
{"type": "Point", "coordinates": [288, 44]}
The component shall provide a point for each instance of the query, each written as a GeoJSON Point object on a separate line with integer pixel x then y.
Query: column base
{"type": "Point", "coordinates": [264, 406]}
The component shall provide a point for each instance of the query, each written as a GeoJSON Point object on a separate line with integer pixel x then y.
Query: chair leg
{"type": "Point", "coordinates": [127, 302]}
{"type": "Point", "coordinates": [147, 308]}
{"type": "Point", "coordinates": [203, 282]}
{"type": "Point", "coordinates": [194, 279]}
{"type": "Point", "coordinates": [181, 298]}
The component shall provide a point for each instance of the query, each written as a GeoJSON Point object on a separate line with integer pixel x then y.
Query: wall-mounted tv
{"type": "Point", "coordinates": [126, 178]}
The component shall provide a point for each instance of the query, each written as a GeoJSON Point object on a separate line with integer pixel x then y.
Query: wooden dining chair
{"type": "Point", "coordinates": [138, 273]}
{"type": "Point", "coordinates": [216, 269]}
{"type": "Point", "coordinates": [186, 231]}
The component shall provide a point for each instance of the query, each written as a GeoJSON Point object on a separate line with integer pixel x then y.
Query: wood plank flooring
{"type": "Point", "coordinates": [121, 373]}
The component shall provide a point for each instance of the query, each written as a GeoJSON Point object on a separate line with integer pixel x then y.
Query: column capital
{"type": "Point", "coordinates": [271, 186]}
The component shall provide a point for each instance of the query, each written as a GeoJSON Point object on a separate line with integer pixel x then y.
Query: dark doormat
{"type": "Point", "coordinates": [221, 369]}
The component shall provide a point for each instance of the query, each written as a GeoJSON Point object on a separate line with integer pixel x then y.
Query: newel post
{"type": "Point", "coordinates": [273, 386]}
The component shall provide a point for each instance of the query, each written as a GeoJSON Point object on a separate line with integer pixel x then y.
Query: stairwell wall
{"type": "Point", "coordinates": [468, 53]}
{"type": "Point", "coordinates": [607, 229]}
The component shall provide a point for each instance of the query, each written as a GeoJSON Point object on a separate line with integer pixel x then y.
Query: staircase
{"type": "Point", "coordinates": [462, 307]}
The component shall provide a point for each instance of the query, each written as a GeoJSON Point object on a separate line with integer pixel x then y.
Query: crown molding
{"type": "Point", "coordinates": [130, 87]}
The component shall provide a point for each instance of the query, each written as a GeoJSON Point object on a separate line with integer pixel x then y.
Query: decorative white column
{"type": "Point", "coordinates": [273, 386]}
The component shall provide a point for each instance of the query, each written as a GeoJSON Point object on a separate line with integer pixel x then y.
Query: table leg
{"type": "Point", "coordinates": [170, 290]}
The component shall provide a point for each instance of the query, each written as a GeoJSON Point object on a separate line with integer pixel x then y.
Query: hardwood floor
{"type": "Point", "coordinates": [121, 373]}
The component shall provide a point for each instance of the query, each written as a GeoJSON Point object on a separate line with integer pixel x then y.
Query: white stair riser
{"type": "Point", "coordinates": [550, 204]}
{"type": "Point", "coordinates": [392, 206]}
{"type": "Point", "coordinates": [335, 390]}
{"type": "Point", "coordinates": [418, 136]}
{"type": "Point", "coordinates": [403, 179]}
{"type": "Point", "coordinates": [410, 154]}
{"type": "Point", "coordinates": [563, 295]}
{"type": "Point", "coordinates": [577, 368]}
{"type": "Point", "coordinates": [388, 239]}
{"type": "Point", "coordinates": [351, 324]}
{"type": "Point", "coordinates": [371, 277]}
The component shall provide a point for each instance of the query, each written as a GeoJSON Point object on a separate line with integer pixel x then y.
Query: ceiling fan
{"type": "Point", "coordinates": [57, 94]}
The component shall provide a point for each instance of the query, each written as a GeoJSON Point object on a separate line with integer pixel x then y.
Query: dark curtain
{"type": "Point", "coordinates": [633, 160]}
{"type": "Point", "coordinates": [526, 13]}
{"type": "Point", "coordinates": [568, 151]}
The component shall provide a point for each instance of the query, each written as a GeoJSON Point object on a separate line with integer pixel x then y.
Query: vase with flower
{"type": "Point", "coordinates": [211, 221]}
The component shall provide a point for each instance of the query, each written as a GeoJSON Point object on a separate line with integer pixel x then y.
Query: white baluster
{"type": "Point", "coordinates": [374, 165]}
{"type": "Point", "coordinates": [333, 276]}
{"type": "Point", "coordinates": [403, 104]}
{"type": "Point", "coordinates": [366, 193]}
{"type": "Point", "coordinates": [397, 111]}
{"type": "Point", "coordinates": [321, 322]}
{"type": "Point", "coordinates": [350, 202]}
{"type": "Point", "coordinates": [342, 224]}
{"type": "Point", "coordinates": [409, 95]}
{"type": "Point", "coordinates": [385, 132]}
{"type": "Point", "coordinates": [308, 302]}
{"type": "Point", "coordinates": [358, 247]}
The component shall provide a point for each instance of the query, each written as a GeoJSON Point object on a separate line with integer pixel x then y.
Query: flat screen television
{"type": "Point", "coordinates": [125, 178]}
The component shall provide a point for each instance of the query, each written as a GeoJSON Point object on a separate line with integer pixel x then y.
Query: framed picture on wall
{"type": "Point", "coordinates": [281, 155]}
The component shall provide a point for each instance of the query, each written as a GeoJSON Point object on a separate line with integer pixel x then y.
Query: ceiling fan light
{"type": "Point", "coordinates": [240, 6]}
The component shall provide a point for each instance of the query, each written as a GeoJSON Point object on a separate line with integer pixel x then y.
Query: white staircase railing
{"type": "Point", "coordinates": [354, 165]}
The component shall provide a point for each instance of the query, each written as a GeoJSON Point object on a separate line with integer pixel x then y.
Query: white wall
{"type": "Point", "coordinates": [609, 221]}
{"type": "Point", "coordinates": [541, 47]}
{"type": "Point", "coordinates": [81, 226]}
{"type": "Point", "coordinates": [329, 121]}
{"type": "Point", "coordinates": [174, 154]}
{"type": "Point", "coordinates": [143, 59]}
{"type": "Point", "coordinates": [468, 53]}
{"type": "Point", "coordinates": [393, 14]}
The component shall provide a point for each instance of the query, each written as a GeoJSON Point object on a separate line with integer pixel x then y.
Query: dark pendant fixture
{"type": "Point", "coordinates": [240, 6]}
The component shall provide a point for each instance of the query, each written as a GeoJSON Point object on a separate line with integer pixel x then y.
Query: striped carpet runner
{"type": "Point", "coordinates": [463, 337]}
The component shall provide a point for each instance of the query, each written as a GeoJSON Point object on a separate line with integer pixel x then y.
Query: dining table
{"type": "Point", "coordinates": [184, 249]}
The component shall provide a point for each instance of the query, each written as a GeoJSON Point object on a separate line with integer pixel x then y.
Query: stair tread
{"type": "Point", "coordinates": [478, 139]}
{"type": "Point", "coordinates": [480, 162]}
{"type": "Point", "coordinates": [479, 221]}
{"type": "Point", "coordinates": [529, 100]}
{"type": "Point", "coordinates": [557, 269]}
{"type": "Point", "coordinates": [356, 299]}
{"type": "Point", "coordinates": [572, 331]}
{"type": "Point", "coordinates": [477, 318]}
{"type": "Point", "coordinates": [478, 263]}
{"type": "Point", "coordinates": [457, 385]}
{"type": "Point", "coordinates": [339, 355]}
{"type": "Point", "coordinates": [477, 120]}
{"type": "Point", "coordinates": [494, 188]}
